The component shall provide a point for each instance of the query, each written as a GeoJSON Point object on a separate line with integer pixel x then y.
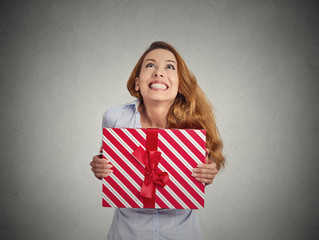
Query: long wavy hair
{"type": "Point", "coordinates": [191, 108]}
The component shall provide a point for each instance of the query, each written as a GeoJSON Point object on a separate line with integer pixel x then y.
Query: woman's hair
{"type": "Point", "coordinates": [191, 108]}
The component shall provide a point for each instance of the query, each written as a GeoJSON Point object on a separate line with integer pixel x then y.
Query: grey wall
{"type": "Point", "coordinates": [64, 62]}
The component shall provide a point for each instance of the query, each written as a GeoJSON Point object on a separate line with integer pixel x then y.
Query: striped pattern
{"type": "Point", "coordinates": [181, 151]}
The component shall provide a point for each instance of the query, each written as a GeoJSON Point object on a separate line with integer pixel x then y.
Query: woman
{"type": "Point", "coordinates": [168, 96]}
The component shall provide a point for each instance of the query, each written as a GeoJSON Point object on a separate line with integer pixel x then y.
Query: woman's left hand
{"type": "Point", "coordinates": [205, 173]}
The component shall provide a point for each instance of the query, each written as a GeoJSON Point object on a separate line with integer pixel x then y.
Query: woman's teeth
{"type": "Point", "coordinates": [158, 86]}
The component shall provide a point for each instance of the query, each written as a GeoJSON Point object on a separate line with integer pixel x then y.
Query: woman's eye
{"type": "Point", "coordinates": [150, 65]}
{"type": "Point", "coordinates": [170, 67]}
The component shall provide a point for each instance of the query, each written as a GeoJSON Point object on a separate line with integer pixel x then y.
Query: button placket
{"type": "Point", "coordinates": [155, 224]}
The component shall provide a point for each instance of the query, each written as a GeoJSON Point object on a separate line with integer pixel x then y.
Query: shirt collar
{"type": "Point", "coordinates": [135, 104]}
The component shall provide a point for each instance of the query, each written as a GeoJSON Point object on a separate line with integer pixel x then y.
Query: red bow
{"type": "Point", "coordinates": [153, 176]}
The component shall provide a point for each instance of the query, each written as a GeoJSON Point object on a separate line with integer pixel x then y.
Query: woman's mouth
{"type": "Point", "coordinates": [159, 86]}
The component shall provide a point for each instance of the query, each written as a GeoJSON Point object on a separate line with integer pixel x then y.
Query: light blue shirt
{"type": "Point", "coordinates": [147, 224]}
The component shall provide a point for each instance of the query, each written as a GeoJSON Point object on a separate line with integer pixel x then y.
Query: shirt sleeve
{"type": "Point", "coordinates": [105, 121]}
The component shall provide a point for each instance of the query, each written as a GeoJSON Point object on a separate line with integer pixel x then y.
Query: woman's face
{"type": "Point", "coordinates": [158, 80]}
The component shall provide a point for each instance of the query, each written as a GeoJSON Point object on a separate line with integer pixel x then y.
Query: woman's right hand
{"type": "Point", "coordinates": [101, 167]}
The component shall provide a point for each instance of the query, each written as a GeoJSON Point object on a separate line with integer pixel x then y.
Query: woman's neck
{"type": "Point", "coordinates": [153, 115]}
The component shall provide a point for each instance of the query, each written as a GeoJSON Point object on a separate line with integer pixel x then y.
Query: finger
{"type": "Point", "coordinates": [205, 180]}
{"type": "Point", "coordinates": [99, 159]}
{"type": "Point", "coordinates": [93, 163]}
{"type": "Point", "coordinates": [201, 173]}
{"type": "Point", "coordinates": [205, 171]}
{"type": "Point", "coordinates": [212, 166]}
{"type": "Point", "coordinates": [102, 175]}
{"type": "Point", "coordinates": [102, 165]}
{"type": "Point", "coordinates": [204, 175]}
{"type": "Point", "coordinates": [101, 170]}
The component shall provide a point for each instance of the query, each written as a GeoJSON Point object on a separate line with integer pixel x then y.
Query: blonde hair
{"type": "Point", "coordinates": [191, 108]}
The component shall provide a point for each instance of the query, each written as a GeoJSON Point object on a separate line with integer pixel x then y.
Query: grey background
{"type": "Point", "coordinates": [64, 62]}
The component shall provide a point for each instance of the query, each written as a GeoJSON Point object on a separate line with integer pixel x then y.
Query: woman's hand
{"type": "Point", "coordinates": [101, 167]}
{"type": "Point", "coordinates": [205, 173]}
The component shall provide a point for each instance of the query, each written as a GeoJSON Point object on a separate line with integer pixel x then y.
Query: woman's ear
{"type": "Point", "coordinates": [137, 85]}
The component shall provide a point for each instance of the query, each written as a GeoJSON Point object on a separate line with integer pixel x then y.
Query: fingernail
{"type": "Point", "coordinates": [195, 170]}
{"type": "Point", "coordinates": [200, 165]}
{"type": "Point", "coordinates": [194, 174]}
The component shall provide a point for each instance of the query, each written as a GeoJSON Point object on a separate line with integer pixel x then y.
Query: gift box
{"type": "Point", "coordinates": [152, 168]}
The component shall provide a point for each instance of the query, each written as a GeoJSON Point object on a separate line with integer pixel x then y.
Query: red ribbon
{"type": "Point", "coordinates": [153, 176]}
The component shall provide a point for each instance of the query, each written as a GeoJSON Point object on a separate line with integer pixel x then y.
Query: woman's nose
{"type": "Point", "coordinates": [158, 73]}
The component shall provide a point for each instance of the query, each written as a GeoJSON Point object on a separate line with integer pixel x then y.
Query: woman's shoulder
{"type": "Point", "coordinates": [124, 108]}
{"type": "Point", "coordinates": [114, 114]}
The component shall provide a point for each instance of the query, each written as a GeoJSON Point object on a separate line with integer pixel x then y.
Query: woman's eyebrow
{"type": "Point", "coordinates": [171, 61]}
{"type": "Point", "coordinates": [150, 60]}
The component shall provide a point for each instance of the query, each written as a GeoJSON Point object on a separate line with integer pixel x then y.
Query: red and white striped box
{"type": "Point", "coordinates": [180, 151]}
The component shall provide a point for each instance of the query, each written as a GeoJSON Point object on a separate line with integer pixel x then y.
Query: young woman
{"type": "Point", "coordinates": [168, 96]}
